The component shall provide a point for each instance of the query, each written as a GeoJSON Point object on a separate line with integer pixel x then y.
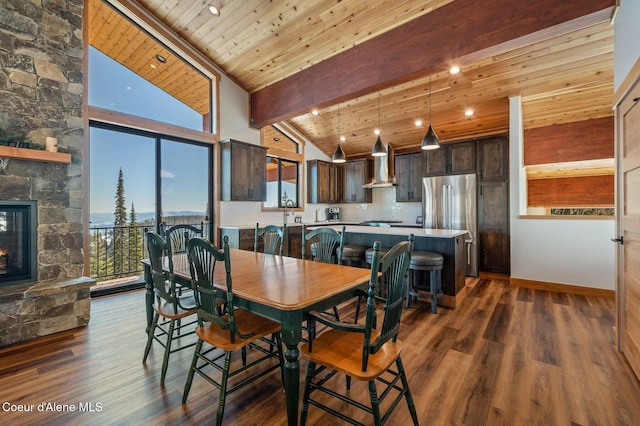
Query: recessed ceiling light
{"type": "Point", "coordinates": [315, 112]}
{"type": "Point", "coordinates": [276, 139]}
{"type": "Point", "coordinates": [454, 70]}
{"type": "Point", "coordinates": [342, 139]}
{"type": "Point", "coordinates": [376, 131]}
{"type": "Point", "coordinates": [215, 10]}
{"type": "Point", "coordinates": [161, 58]}
{"type": "Point", "coordinates": [418, 123]}
{"type": "Point", "coordinates": [469, 112]}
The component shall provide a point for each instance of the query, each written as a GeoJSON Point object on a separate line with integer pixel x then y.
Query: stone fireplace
{"type": "Point", "coordinates": [41, 87]}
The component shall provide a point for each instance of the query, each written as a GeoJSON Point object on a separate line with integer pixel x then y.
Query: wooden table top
{"type": "Point", "coordinates": [285, 283]}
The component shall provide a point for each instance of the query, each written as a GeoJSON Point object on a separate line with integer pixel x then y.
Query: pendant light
{"type": "Point", "coordinates": [379, 149]}
{"type": "Point", "coordinates": [430, 140]}
{"type": "Point", "coordinates": [338, 156]}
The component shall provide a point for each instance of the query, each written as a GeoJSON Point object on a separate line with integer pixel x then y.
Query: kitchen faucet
{"type": "Point", "coordinates": [285, 214]}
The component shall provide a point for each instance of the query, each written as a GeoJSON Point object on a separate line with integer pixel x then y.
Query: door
{"type": "Point", "coordinates": [628, 217]}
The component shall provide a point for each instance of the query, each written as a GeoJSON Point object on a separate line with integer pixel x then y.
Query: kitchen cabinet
{"type": "Point", "coordinates": [493, 158]}
{"type": "Point", "coordinates": [462, 158]}
{"type": "Point", "coordinates": [409, 172]}
{"type": "Point", "coordinates": [493, 226]}
{"type": "Point", "coordinates": [243, 171]}
{"type": "Point", "coordinates": [241, 238]}
{"type": "Point", "coordinates": [493, 205]}
{"type": "Point", "coordinates": [451, 159]}
{"type": "Point", "coordinates": [435, 162]}
{"type": "Point", "coordinates": [356, 173]}
{"type": "Point", "coordinates": [324, 182]}
{"type": "Point", "coordinates": [293, 242]}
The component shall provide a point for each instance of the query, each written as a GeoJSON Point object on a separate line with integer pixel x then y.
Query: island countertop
{"type": "Point", "coordinates": [417, 232]}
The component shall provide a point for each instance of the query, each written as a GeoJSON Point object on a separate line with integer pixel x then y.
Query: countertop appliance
{"type": "Point", "coordinates": [450, 202]}
{"type": "Point", "coordinates": [333, 214]}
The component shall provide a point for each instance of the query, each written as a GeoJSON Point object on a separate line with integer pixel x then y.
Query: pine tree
{"type": "Point", "coordinates": [119, 223]}
{"type": "Point", "coordinates": [135, 251]}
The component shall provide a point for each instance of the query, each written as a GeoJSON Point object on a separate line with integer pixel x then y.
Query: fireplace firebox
{"type": "Point", "coordinates": [18, 242]}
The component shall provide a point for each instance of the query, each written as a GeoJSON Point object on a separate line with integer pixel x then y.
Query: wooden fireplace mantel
{"type": "Point", "coordinates": [34, 155]}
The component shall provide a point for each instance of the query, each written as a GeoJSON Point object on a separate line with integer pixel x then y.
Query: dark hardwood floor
{"type": "Point", "coordinates": [506, 356]}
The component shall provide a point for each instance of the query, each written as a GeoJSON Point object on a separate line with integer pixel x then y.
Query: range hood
{"type": "Point", "coordinates": [381, 171]}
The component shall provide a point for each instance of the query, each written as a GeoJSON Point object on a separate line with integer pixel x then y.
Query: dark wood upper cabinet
{"type": "Point", "coordinates": [493, 158]}
{"type": "Point", "coordinates": [451, 159]}
{"type": "Point", "coordinates": [462, 158]}
{"type": "Point", "coordinates": [356, 173]}
{"type": "Point", "coordinates": [243, 171]}
{"type": "Point", "coordinates": [409, 172]}
{"type": "Point", "coordinates": [435, 162]}
{"type": "Point", "coordinates": [324, 182]}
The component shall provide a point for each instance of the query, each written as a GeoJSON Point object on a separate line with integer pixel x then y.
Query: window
{"type": "Point", "coordinates": [282, 183]}
{"type": "Point", "coordinates": [283, 169]}
{"type": "Point", "coordinates": [129, 93]}
{"type": "Point", "coordinates": [151, 133]}
{"type": "Point", "coordinates": [138, 180]}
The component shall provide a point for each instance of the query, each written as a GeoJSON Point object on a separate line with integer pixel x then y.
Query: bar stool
{"type": "Point", "coordinates": [351, 254]}
{"type": "Point", "coordinates": [368, 254]}
{"type": "Point", "coordinates": [430, 262]}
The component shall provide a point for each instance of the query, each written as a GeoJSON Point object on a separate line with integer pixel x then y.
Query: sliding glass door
{"type": "Point", "coordinates": [141, 180]}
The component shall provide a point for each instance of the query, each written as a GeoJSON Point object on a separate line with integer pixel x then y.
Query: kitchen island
{"type": "Point", "coordinates": [449, 243]}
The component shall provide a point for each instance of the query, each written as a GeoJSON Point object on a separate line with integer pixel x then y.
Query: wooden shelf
{"type": "Point", "coordinates": [34, 155]}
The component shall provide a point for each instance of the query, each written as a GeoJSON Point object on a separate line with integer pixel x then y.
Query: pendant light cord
{"type": "Point", "coordinates": [379, 129]}
{"type": "Point", "coordinates": [430, 121]}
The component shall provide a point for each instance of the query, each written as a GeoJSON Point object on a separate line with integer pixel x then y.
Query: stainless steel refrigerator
{"type": "Point", "coordinates": [450, 202]}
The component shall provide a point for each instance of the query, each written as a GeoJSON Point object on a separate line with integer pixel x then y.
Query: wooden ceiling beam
{"type": "Point", "coordinates": [463, 31]}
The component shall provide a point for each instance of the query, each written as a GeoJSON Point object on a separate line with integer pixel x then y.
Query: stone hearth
{"type": "Point", "coordinates": [38, 309]}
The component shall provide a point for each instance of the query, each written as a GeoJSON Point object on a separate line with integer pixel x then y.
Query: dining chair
{"type": "Point", "coordinates": [363, 351]}
{"type": "Point", "coordinates": [272, 237]}
{"type": "Point", "coordinates": [225, 333]}
{"type": "Point", "coordinates": [169, 305]}
{"type": "Point", "coordinates": [177, 237]}
{"type": "Point", "coordinates": [324, 243]}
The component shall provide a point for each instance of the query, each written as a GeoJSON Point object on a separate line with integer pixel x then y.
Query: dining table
{"type": "Point", "coordinates": [283, 289]}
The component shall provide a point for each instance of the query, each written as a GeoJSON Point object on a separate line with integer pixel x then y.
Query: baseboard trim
{"type": "Point", "coordinates": [563, 288]}
{"type": "Point", "coordinates": [493, 276]}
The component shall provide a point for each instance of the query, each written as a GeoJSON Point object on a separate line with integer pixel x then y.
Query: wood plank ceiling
{"type": "Point", "coordinates": [563, 78]}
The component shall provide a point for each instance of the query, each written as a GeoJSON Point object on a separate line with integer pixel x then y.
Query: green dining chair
{"type": "Point", "coordinates": [272, 237]}
{"type": "Point", "coordinates": [176, 237]}
{"type": "Point", "coordinates": [219, 335]}
{"type": "Point", "coordinates": [170, 306]}
{"type": "Point", "coordinates": [363, 351]}
{"type": "Point", "coordinates": [324, 243]}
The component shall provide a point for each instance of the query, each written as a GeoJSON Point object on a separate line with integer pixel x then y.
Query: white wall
{"type": "Point", "coordinates": [234, 113]}
{"type": "Point", "coordinates": [234, 123]}
{"type": "Point", "coordinates": [626, 36]}
{"type": "Point", "coordinates": [561, 251]}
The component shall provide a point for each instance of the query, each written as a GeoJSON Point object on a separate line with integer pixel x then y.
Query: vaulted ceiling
{"type": "Point", "coordinates": [296, 55]}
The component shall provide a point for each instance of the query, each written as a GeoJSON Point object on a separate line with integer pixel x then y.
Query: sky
{"type": "Point", "coordinates": [184, 166]}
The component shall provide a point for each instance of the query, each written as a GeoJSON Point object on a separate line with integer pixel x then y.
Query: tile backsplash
{"type": "Point", "coordinates": [383, 207]}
